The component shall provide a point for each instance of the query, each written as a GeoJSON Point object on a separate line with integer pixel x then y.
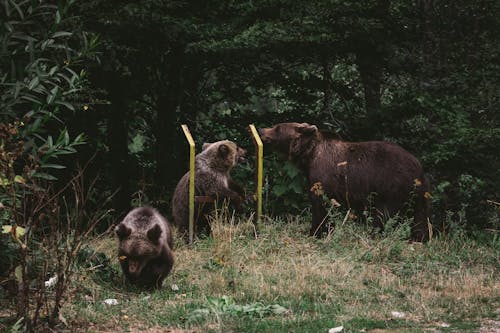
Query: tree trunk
{"type": "Point", "coordinates": [121, 174]}
{"type": "Point", "coordinates": [167, 143]}
{"type": "Point", "coordinates": [370, 58]}
{"type": "Point", "coordinates": [370, 70]}
{"type": "Point", "coordinates": [167, 129]}
{"type": "Point", "coordinates": [327, 87]}
{"type": "Point", "coordinates": [176, 105]}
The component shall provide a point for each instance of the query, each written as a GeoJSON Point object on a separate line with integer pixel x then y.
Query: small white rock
{"type": "Point", "coordinates": [396, 314]}
{"type": "Point", "coordinates": [111, 301]}
{"type": "Point", "coordinates": [63, 320]}
{"type": "Point", "coordinates": [444, 325]}
{"type": "Point", "coordinates": [51, 282]}
{"type": "Point", "coordinates": [336, 329]}
{"type": "Point", "coordinates": [174, 287]}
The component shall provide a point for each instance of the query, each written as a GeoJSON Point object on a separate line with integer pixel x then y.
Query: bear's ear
{"type": "Point", "coordinates": [305, 128]}
{"type": "Point", "coordinates": [205, 145]}
{"type": "Point", "coordinates": [223, 150]}
{"type": "Point", "coordinates": [122, 231]}
{"type": "Point", "coordinates": [154, 233]}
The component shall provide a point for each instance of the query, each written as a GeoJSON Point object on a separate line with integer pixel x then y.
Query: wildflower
{"type": "Point", "coordinates": [335, 203]}
{"type": "Point", "coordinates": [317, 189]}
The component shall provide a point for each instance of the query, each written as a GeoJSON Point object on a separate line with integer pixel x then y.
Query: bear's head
{"type": "Point", "coordinates": [223, 155]}
{"type": "Point", "coordinates": [136, 249]}
{"type": "Point", "coordinates": [281, 136]}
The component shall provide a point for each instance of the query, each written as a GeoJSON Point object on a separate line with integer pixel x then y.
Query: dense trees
{"type": "Point", "coordinates": [423, 73]}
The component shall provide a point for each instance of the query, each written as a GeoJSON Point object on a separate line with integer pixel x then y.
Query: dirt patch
{"type": "Point", "coordinates": [490, 326]}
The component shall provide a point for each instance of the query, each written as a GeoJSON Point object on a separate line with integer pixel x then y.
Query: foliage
{"type": "Point", "coordinates": [97, 263]}
{"type": "Point", "coordinates": [225, 305]}
{"type": "Point", "coordinates": [38, 63]}
{"type": "Point", "coordinates": [42, 61]}
{"type": "Point", "coordinates": [45, 248]}
{"type": "Point", "coordinates": [411, 73]}
{"type": "Point", "coordinates": [41, 75]}
{"type": "Point", "coordinates": [285, 189]}
{"type": "Point", "coordinates": [39, 87]}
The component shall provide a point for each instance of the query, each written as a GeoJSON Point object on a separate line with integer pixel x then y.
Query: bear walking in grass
{"type": "Point", "coordinates": [145, 248]}
{"type": "Point", "coordinates": [376, 176]}
{"type": "Point", "coordinates": [212, 181]}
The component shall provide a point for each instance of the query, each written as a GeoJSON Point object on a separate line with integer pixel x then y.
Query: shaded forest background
{"type": "Point", "coordinates": [111, 81]}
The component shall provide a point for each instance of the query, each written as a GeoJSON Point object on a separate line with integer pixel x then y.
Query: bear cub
{"type": "Point", "coordinates": [212, 180]}
{"type": "Point", "coordinates": [145, 247]}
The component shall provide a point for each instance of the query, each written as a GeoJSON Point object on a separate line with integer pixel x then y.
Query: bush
{"type": "Point", "coordinates": [42, 78]}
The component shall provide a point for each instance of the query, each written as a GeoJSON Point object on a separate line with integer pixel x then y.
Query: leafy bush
{"type": "Point", "coordinates": [45, 240]}
{"type": "Point", "coordinates": [42, 77]}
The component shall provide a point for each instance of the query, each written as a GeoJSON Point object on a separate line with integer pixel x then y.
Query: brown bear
{"type": "Point", "coordinates": [377, 176]}
{"type": "Point", "coordinates": [212, 180]}
{"type": "Point", "coordinates": [145, 247]}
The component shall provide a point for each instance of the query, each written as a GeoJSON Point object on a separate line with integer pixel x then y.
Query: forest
{"type": "Point", "coordinates": [93, 95]}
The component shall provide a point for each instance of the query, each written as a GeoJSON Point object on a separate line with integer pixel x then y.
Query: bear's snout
{"type": "Point", "coordinates": [264, 134]}
{"type": "Point", "coordinates": [133, 267]}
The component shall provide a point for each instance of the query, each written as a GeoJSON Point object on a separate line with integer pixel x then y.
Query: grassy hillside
{"type": "Point", "coordinates": [283, 281]}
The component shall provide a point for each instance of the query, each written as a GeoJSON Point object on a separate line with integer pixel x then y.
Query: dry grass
{"type": "Point", "coordinates": [321, 282]}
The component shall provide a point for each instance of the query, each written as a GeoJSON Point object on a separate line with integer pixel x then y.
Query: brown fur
{"type": "Point", "coordinates": [212, 179]}
{"type": "Point", "coordinates": [145, 248]}
{"type": "Point", "coordinates": [352, 172]}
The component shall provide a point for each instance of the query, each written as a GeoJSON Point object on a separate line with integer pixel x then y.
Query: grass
{"type": "Point", "coordinates": [284, 281]}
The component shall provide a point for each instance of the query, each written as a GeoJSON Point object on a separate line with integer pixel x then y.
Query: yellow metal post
{"type": "Point", "coordinates": [191, 180]}
{"type": "Point", "coordinates": [259, 165]}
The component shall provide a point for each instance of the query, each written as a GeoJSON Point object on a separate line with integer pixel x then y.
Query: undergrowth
{"type": "Point", "coordinates": [281, 280]}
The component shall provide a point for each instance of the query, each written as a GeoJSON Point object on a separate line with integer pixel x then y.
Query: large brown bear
{"type": "Point", "coordinates": [212, 182]}
{"type": "Point", "coordinates": [145, 248]}
{"type": "Point", "coordinates": [377, 176]}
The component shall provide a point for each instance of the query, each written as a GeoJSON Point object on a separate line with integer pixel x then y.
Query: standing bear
{"type": "Point", "coordinates": [212, 181]}
{"type": "Point", "coordinates": [377, 176]}
{"type": "Point", "coordinates": [145, 247]}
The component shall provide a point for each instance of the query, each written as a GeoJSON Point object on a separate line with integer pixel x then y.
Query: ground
{"type": "Point", "coordinates": [285, 281]}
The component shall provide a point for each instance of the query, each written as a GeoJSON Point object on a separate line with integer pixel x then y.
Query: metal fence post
{"type": "Point", "coordinates": [191, 180]}
{"type": "Point", "coordinates": [259, 152]}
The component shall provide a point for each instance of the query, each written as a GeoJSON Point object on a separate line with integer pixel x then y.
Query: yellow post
{"type": "Point", "coordinates": [191, 180]}
{"type": "Point", "coordinates": [259, 165]}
